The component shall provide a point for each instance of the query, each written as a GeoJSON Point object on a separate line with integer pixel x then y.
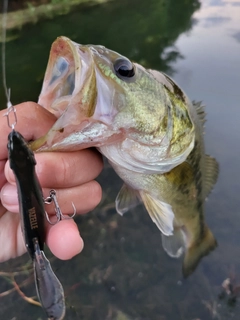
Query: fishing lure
{"type": "Point", "coordinates": [31, 206]}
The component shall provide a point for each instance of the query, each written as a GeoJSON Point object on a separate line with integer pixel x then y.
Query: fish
{"type": "Point", "coordinates": [32, 216]}
{"type": "Point", "coordinates": [147, 128]}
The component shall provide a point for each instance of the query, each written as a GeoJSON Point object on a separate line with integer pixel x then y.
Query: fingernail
{"type": "Point", "coordinates": [9, 197]}
{"type": "Point", "coordinates": [9, 173]}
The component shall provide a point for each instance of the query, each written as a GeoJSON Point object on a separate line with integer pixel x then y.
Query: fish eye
{"type": "Point", "coordinates": [124, 68]}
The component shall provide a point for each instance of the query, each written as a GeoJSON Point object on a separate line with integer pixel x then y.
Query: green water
{"type": "Point", "coordinates": [123, 272]}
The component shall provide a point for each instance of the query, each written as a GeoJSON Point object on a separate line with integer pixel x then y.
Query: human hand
{"type": "Point", "coordinates": [71, 174]}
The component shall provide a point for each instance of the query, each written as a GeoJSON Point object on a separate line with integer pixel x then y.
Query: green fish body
{"type": "Point", "coordinates": [147, 128]}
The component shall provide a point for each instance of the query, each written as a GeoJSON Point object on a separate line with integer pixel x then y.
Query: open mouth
{"type": "Point", "coordinates": [62, 74]}
{"type": "Point", "coordinates": [66, 73]}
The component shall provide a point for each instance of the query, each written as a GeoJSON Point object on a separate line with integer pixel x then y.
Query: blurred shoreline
{"type": "Point", "coordinates": [36, 11]}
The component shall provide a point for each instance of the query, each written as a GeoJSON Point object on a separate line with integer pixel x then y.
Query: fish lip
{"type": "Point", "coordinates": [65, 74]}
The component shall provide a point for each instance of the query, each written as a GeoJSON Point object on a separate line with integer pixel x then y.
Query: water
{"type": "Point", "coordinates": [123, 272]}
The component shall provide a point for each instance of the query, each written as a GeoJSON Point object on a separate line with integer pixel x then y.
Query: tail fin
{"type": "Point", "coordinates": [194, 254]}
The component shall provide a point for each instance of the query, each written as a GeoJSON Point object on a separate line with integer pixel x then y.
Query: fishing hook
{"type": "Point", "coordinates": [60, 216]}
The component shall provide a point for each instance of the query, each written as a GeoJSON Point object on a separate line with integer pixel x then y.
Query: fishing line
{"type": "Point", "coordinates": [4, 27]}
{"type": "Point", "coordinates": [10, 107]}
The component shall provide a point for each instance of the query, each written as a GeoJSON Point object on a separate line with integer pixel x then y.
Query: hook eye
{"type": "Point", "coordinates": [11, 109]}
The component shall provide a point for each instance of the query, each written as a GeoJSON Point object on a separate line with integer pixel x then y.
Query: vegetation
{"type": "Point", "coordinates": [32, 11]}
{"type": "Point", "coordinates": [14, 5]}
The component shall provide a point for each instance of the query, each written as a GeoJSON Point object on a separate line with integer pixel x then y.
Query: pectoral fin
{"type": "Point", "coordinates": [127, 198]}
{"type": "Point", "coordinates": [160, 212]}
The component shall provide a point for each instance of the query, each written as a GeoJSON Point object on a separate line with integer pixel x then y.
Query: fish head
{"type": "Point", "coordinates": [139, 119]}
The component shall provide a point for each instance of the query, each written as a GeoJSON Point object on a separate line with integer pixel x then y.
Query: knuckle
{"type": "Point", "coordinates": [61, 171]}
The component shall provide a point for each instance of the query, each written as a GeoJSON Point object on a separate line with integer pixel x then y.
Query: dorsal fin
{"type": "Point", "coordinates": [200, 108]}
{"type": "Point", "coordinates": [211, 174]}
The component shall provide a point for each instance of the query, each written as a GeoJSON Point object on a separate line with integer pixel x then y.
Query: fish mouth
{"type": "Point", "coordinates": [69, 91]}
{"type": "Point", "coordinates": [70, 69]}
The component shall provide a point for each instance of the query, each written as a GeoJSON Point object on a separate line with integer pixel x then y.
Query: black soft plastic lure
{"type": "Point", "coordinates": [31, 206]}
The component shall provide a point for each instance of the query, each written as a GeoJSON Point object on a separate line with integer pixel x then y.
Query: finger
{"type": "Point", "coordinates": [29, 115]}
{"type": "Point", "coordinates": [2, 174]}
{"type": "Point", "coordinates": [2, 210]}
{"type": "Point", "coordinates": [11, 237]}
{"type": "Point", "coordinates": [84, 197]}
{"type": "Point", "coordinates": [64, 239]}
{"type": "Point", "coordinates": [63, 169]}
{"type": "Point", "coordinates": [9, 197]}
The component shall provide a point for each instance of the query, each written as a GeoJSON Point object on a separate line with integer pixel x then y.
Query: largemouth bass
{"type": "Point", "coordinates": [148, 129]}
